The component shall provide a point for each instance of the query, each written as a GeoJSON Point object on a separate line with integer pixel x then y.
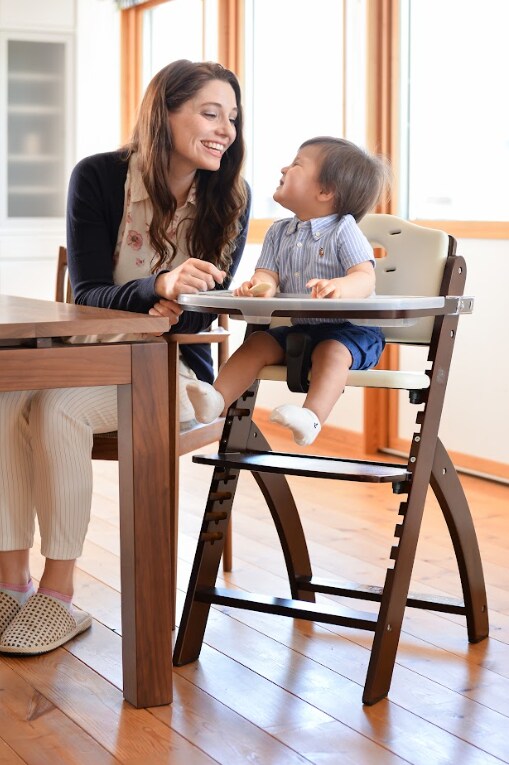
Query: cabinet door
{"type": "Point", "coordinates": [37, 135]}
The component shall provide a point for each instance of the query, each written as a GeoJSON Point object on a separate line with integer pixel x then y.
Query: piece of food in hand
{"type": "Point", "coordinates": [259, 289]}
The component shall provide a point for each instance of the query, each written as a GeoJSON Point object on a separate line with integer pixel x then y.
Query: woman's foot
{"type": "Point", "coordinates": [207, 402]}
{"type": "Point", "coordinates": [42, 624]}
{"type": "Point", "coordinates": [12, 598]}
{"type": "Point", "coordinates": [303, 423]}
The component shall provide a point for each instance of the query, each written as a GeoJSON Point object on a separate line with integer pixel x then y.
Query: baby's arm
{"type": "Point", "coordinates": [359, 282]}
{"type": "Point", "coordinates": [263, 283]}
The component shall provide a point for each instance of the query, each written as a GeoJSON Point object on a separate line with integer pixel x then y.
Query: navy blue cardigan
{"type": "Point", "coordinates": [95, 206]}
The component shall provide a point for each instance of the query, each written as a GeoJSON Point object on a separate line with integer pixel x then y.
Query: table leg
{"type": "Point", "coordinates": [145, 531]}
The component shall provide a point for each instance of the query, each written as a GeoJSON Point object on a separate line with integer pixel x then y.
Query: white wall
{"type": "Point", "coordinates": [97, 77]}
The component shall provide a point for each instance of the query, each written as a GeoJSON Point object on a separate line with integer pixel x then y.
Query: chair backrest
{"type": "Point", "coordinates": [63, 291]}
{"type": "Point", "coordinates": [412, 263]}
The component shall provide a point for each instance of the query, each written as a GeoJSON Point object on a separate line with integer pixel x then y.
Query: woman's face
{"type": "Point", "coordinates": [203, 128]}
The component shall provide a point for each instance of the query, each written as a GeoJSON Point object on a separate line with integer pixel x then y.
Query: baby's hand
{"type": "Point", "coordinates": [324, 288]}
{"type": "Point", "coordinates": [254, 289]}
{"type": "Point", "coordinates": [260, 289]}
{"type": "Point", "coordinates": [243, 290]}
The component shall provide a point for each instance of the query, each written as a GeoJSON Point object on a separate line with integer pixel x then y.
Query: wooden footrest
{"type": "Point", "coordinates": [311, 466]}
{"type": "Point", "coordinates": [298, 609]}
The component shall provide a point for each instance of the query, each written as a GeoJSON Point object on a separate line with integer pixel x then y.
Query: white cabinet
{"type": "Point", "coordinates": [35, 149]}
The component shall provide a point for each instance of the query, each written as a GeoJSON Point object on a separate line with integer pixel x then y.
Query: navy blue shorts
{"type": "Point", "coordinates": [364, 343]}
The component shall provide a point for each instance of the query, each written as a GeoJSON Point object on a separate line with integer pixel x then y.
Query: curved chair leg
{"type": "Point", "coordinates": [450, 495]}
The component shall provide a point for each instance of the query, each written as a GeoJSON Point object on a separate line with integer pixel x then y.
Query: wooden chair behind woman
{"type": "Point", "coordinates": [105, 445]}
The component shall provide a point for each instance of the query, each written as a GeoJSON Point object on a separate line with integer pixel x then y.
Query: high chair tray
{"type": "Point", "coordinates": [393, 309]}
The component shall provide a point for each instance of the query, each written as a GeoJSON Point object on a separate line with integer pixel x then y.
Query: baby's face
{"type": "Point", "coordinates": [299, 181]}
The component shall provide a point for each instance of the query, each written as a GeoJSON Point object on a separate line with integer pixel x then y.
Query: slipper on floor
{"type": "Point", "coordinates": [42, 625]}
{"type": "Point", "coordinates": [9, 607]}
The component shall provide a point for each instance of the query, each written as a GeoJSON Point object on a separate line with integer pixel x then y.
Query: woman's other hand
{"type": "Point", "coordinates": [191, 277]}
{"type": "Point", "coordinates": [168, 308]}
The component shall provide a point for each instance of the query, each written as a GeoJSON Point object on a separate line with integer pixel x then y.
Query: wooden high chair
{"type": "Point", "coordinates": [418, 262]}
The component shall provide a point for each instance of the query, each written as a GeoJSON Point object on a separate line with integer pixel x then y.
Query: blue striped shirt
{"type": "Point", "coordinates": [321, 248]}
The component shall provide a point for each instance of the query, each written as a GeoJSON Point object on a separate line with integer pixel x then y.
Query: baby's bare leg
{"type": "Point", "coordinates": [330, 363]}
{"type": "Point", "coordinates": [236, 376]}
{"type": "Point", "coordinates": [242, 368]}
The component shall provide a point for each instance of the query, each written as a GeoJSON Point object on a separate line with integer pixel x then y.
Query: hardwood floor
{"type": "Point", "coordinates": [267, 689]}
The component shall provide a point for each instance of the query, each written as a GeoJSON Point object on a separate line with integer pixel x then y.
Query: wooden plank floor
{"type": "Point", "coordinates": [267, 689]}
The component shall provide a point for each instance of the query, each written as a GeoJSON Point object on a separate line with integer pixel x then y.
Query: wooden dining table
{"type": "Point", "coordinates": [34, 355]}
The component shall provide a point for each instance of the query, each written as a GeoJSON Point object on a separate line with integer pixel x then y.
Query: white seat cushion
{"type": "Point", "coordinates": [364, 378]}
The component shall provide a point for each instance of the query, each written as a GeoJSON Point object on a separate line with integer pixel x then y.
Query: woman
{"type": "Point", "coordinates": [164, 215]}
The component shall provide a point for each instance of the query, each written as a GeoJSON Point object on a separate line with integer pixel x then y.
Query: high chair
{"type": "Point", "coordinates": [418, 262]}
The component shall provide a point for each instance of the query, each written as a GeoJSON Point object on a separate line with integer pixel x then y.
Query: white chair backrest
{"type": "Point", "coordinates": [413, 264]}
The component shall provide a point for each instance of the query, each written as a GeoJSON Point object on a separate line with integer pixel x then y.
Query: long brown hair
{"type": "Point", "coordinates": [221, 196]}
{"type": "Point", "coordinates": [357, 178]}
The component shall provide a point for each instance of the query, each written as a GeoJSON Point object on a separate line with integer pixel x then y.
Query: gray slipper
{"type": "Point", "coordinates": [41, 625]}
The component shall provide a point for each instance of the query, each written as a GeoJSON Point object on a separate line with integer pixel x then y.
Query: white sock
{"type": "Point", "coordinates": [64, 600]}
{"type": "Point", "coordinates": [207, 402]}
{"type": "Point", "coordinates": [303, 423]}
{"type": "Point", "coordinates": [20, 592]}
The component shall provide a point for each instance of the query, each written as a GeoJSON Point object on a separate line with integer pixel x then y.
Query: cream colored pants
{"type": "Point", "coordinates": [45, 462]}
{"type": "Point", "coordinates": [46, 467]}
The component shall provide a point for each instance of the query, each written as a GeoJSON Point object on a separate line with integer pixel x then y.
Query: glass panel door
{"type": "Point", "coordinates": [36, 134]}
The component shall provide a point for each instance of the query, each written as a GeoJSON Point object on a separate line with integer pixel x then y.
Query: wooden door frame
{"type": "Point", "coordinates": [382, 136]}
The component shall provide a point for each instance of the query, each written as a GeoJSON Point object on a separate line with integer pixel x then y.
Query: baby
{"type": "Point", "coordinates": [330, 185]}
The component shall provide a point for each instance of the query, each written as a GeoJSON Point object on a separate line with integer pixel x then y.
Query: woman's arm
{"type": "Point", "coordinates": [95, 206]}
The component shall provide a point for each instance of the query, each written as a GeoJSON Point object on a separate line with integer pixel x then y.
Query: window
{"type": "Point", "coordinates": [293, 86]}
{"type": "Point", "coordinates": [455, 116]}
{"type": "Point", "coordinates": [178, 29]}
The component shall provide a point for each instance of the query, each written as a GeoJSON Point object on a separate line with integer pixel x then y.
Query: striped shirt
{"type": "Point", "coordinates": [321, 248]}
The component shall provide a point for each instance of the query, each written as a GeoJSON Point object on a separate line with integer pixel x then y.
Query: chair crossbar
{"type": "Point", "coordinates": [287, 607]}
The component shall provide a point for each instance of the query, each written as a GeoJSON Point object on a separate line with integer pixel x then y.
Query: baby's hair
{"type": "Point", "coordinates": [357, 177]}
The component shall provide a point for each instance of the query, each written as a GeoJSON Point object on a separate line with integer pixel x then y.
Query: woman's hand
{"type": "Point", "coordinates": [168, 308]}
{"type": "Point", "coordinates": [192, 276]}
